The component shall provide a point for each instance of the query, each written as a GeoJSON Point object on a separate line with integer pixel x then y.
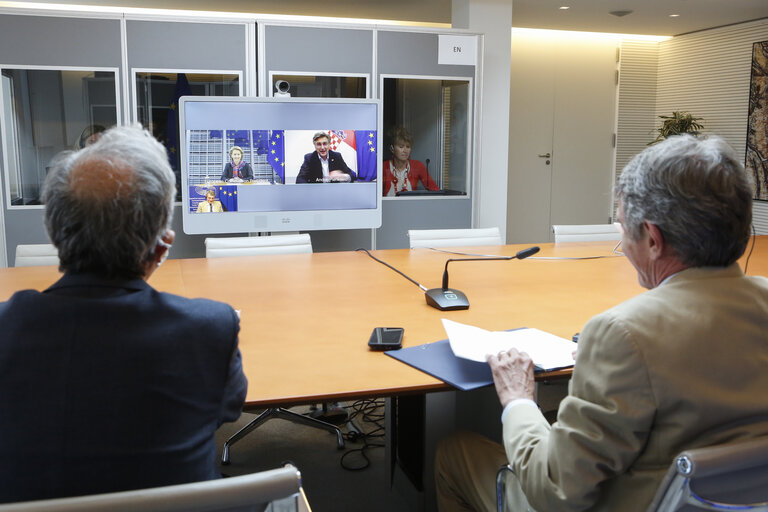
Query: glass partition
{"type": "Point", "coordinates": [157, 96]}
{"type": "Point", "coordinates": [319, 86]}
{"type": "Point", "coordinates": [46, 111]}
{"type": "Point", "coordinates": [434, 114]}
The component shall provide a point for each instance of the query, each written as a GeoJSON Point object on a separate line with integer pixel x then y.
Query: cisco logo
{"type": "Point", "coordinates": [285, 220]}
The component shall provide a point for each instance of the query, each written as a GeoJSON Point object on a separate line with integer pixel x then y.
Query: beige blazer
{"type": "Point", "coordinates": [205, 206]}
{"type": "Point", "coordinates": [681, 366]}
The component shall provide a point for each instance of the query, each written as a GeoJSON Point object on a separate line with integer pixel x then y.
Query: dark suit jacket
{"type": "Point", "coordinates": [245, 172]}
{"type": "Point", "coordinates": [312, 170]}
{"type": "Point", "coordinates": [111, 385]}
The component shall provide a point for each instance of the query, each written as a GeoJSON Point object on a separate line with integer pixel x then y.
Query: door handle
{"type": "Point", "coordinates": [545, 155]}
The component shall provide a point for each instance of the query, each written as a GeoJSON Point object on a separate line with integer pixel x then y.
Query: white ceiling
{"type": "Point", "coordinates": [648, 16]}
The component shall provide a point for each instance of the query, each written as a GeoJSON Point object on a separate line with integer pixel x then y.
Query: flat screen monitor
{"type": "Point", "coordinates": [254, 164]}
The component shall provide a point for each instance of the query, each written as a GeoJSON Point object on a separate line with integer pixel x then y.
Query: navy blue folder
{"type": "Point", "coordinates": [437, 360]}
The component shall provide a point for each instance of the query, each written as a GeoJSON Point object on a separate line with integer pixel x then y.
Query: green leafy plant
{"type": "Point", "coordinates": [676, 124]}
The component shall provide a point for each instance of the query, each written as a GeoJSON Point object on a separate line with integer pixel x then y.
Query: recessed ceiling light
{"type": "Point", "coordinates": [674, 15]}
{"type": "Point", "coordinates": [564, 7]}
{"type": "Point", "coordinates": [620, 14]}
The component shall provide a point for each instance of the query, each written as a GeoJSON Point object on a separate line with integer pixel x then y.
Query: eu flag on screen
{"type": "Point", "coordinates": [240, 138]}
{"type": "Point", "coordinates": [227, 194]}
{"type": "Point", "coordinates": [172, 124]}
{"type": "Point", "coordinates": [367, 157]}
{"type": "Point", "coordinates": [276, 153]}
{"type": "Point", "coordinates": [214, 134]}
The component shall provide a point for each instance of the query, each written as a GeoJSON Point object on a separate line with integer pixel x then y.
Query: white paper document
{"type": "Point", "coordinates": [547, 350]}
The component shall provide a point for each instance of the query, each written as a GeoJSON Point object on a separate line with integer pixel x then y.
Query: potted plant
{"type": "Point", "coordinates": [679, 122]}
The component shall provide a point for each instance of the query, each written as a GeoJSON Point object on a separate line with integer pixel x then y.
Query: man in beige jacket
{"type": "Point", "coordinates": [680, 366]}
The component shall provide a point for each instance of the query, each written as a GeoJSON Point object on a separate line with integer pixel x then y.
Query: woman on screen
{"type": "Point", "coordinates": [401, 173]}
{"type": "Point", "coordinates": [236, 167]}
{"type": "Point", "coordinates": [210, 204]}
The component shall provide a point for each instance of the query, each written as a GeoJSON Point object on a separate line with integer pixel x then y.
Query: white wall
{"type": "Point", "coordinates": [493, 18]}
{"type": "Point", "coordinates": [708, 73]}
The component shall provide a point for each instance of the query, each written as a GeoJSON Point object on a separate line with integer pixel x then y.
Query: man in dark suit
{"type": "Point", "coordinates": [108, 384]}
{"type": "Point", "coordinates": [324, 165]}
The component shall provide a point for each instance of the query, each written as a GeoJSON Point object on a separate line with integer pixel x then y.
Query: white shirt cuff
{"type": "Point", "coordinates": [517, 402]}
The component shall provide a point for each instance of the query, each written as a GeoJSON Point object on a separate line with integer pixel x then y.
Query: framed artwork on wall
{"type": "Point", "coordinates": [757, 125]}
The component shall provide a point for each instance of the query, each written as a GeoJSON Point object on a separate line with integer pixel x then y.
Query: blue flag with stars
{"type": "Point", "coordinates": [367, 158]}
{"type": "Point", "coordinates": [227, 194]}
{"type": "Point", "coordinates": [239, 138]}
{"type": "Point", "coordinates": [276, 153]}
{"type": "Point", "coordinates": [172, 126]}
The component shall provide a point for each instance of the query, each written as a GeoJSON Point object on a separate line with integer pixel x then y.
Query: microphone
{"type": "Point", "coordinates": [449, 299]}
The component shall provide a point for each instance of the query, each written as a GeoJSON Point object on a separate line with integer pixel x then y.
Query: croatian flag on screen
{"type": "Point", "coordinates": [343, 141]}
{"type": "Point", "coordinates": [364, 162]}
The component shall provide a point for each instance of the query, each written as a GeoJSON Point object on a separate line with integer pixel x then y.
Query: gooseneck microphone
{"type": "Point", "coordinates": [449, 299]}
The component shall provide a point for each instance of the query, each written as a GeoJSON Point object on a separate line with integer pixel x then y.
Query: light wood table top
{"type": "Point", "coordinates": [306, 318]}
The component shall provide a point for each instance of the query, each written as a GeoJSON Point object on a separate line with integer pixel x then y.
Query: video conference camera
{"type": "Point", "coordinates": [281, 89]}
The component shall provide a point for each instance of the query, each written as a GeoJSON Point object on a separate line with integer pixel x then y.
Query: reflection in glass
{"type": "Point", "coordinates": [157, 95]}
{"type": "Point", "coordinates": [46, 111]}
{"type": "Point", "coordinates": [435, 113]}
{"type": "Point", "coordinates": [322, 86]}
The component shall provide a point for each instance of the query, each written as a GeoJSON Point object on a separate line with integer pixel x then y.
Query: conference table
{"type": "Point", "coordinates": [306, 318]}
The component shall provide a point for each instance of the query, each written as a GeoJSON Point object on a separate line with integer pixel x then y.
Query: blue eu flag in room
{"type": "Point", "coordinates": [172, 125]}
{"type": "Point", "coordinates": [366, 154]}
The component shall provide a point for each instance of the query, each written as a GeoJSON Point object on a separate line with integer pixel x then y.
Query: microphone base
{"type": "Point", "coordinates": [446, 299]}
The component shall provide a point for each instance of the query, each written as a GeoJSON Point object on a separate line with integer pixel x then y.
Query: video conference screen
{"type": "Point", "coordinates": [279, 164]}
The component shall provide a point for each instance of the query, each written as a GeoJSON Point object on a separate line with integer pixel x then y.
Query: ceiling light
{"type": "Point", "coordinates": [619, 14]}
{"type": "Point", "coordinates": [674, 15]}
{"type": "Point", "coordinates": [564, 7]}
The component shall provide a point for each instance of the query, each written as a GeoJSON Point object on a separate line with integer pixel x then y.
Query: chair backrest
{"type": "Point", "coordinates": [453, 237]}
{"type": "Point", "coordinates": [35, 255]}
{"type": "Point", "coordinates": [246, 492]}
{"type": "Point", "coordinates": [585, 232]}
{"type": "Point", "coordinates": [251, 245]}
{"type": "Point", "coordinates": [732, 476]}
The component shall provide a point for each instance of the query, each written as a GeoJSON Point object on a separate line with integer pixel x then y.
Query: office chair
{"type": "Point", "coordinates": [276, 244]}
{"type": "Point", "coordinates": [731, 476]}
{"type": "Point", "coordinates": [251, 245]}
{"type": "Point", "coordinates": [505, 481]}
{"type": "Point", "coordinates": [453, 237]}
{"type": "Point", "coordinates": [266, 490]}
{"type": "Point", "coordinates": [35, 255]}
{"type": "Point", "coordinates": [585, 232]}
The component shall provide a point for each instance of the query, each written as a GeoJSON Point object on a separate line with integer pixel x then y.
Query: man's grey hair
{"type": "Point", "coordinates": [319, 135]}
{"type": "Point", "coordinates": [696, 192]}
{"type": "Point", "coordinates": [107, 205]}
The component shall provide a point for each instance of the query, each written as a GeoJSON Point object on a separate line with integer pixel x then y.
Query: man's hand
{"type": "Point", "coordinates": [338, 176]}
{"type": "Point", "coordinates": [512, 375]}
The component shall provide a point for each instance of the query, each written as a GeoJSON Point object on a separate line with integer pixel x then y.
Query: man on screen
{"type": "Point", "coordinates": [210, 205]}
{"type": "Point", "coordinates": [324, 165]}
{"type": "Point", "coordinates": [108, 384]}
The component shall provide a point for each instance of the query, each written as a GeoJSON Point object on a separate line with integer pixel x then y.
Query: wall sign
{"type": "Point", "coordinates": [457, 50]}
